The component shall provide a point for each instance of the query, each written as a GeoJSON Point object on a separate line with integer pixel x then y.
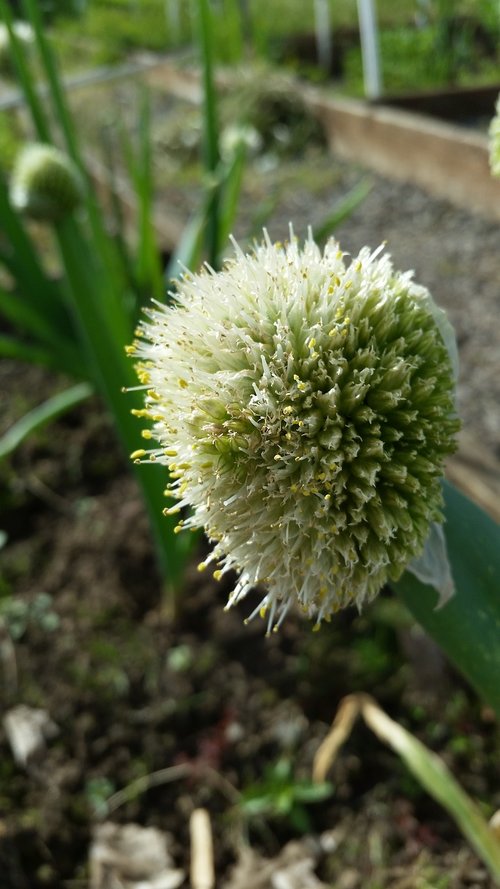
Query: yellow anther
{"type": "Point", "coordinates": [153, 394]}
{"type": "Point", "coordinates": [278, 457]}
{"type": "Point", "coordinates": [178, 528]}
{"type": "Point", "coordinates": [182, 383]}
{"type": "Point", "coordinates": [316, 627]}
{"type": "Point", "coordinates": [136, 455]}
{"type": "Point", "coordinates": [130, 350]}
{"type": "Point", "coordinates": [140, 413]}
{"type": "Point", "coordinates": [146, 433]}
{"type": "Point", "coordinates": [171, 510]}
{"type": "Point", "coordinates": [263, 611]}
{"type": "Point", "coordinates": [288, 409]}
{"type": "Point", "coordinates": [202, 566]}
{"type": "Point", "coordinates": [170, 452]}
{"type": "Point", "coordinates": [217, 575]}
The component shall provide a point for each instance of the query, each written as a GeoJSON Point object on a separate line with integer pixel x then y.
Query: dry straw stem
{"type": "Point", "coordinates": [427, 767]}
{"type": "Point", "coordinates": [166, 776]}
{"type": "Point", "coordinates": [202, 853]}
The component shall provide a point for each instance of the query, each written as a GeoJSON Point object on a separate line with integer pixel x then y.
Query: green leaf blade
{"type": "Point", "coordinates": [42, 415]}
{"type": "Point", "coordinates": [468, 627]}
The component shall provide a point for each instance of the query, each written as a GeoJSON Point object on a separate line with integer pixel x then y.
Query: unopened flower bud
{"type": "Point", "coordinates": [46, 184]}
{"type": "Point", "coordinates": [24, 33]}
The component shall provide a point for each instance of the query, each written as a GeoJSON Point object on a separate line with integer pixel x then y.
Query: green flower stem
{"type": "Point", "coordinates": [32, 11]}
{"type": "Point", "coordinates": [25, 77]}
{"type": "Point", "coordinates": [105, 255]}
{"type": "Point", "coordinates": [211, 141]}
{"type": "Point", "coordinates": [113, 371]}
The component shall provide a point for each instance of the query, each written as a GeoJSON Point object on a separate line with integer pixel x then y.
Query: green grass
{"type": "Point", "coordinates": [413, 59]}
{"type": "Point", "coordinates": [111, 30]}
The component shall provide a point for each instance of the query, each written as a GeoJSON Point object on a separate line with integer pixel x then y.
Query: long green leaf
{"type": "Point", "coordinates": [468, 627]}
{"type": "Point", "coordinates": [428, 768]}
{"type": "Point", "coordinates": [10, 347]}
{"type": "Point", "coordinates": [189, 250]}
{"type": "Point", "coordinates": [342, 210]}
{"type": "Point", "coordinates": [34, 14]}
{"type": "Point", "coordinates": [42, 415]}
{"type": "Point", "coordinates": [104, 256]}
{"type": "Point", "coordinates": [20, 312]}
{"type": "Point", "coordinates": [116, 215]}
{"type": "Point", "coordinates": [139, 166]}
{"type": "Point", "coordinates": [25, 76]}
{"type": "Point", "coordinates": [149, 270]}
{"type": "Point", "coordinates": [31, 274]}
{"type": "Point", "coordinates": [231, 191]}
{"type": "Point", "coordinates": [113, 372]}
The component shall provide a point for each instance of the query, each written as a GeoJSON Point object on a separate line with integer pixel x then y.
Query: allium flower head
{"type": "Point", "coordinates": [494, 133]}
{"type": "Point", "coordinates": [45, 184]}
{"type": "Point", "coordinates": [305, 407]}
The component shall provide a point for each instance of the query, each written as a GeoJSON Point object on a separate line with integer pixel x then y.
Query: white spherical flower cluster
{"type": "Point", "coordinates": [305, 407]}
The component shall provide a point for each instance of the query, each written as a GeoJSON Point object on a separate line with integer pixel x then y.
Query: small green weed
{"type": "Point", "coordinates": [281, 795]}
